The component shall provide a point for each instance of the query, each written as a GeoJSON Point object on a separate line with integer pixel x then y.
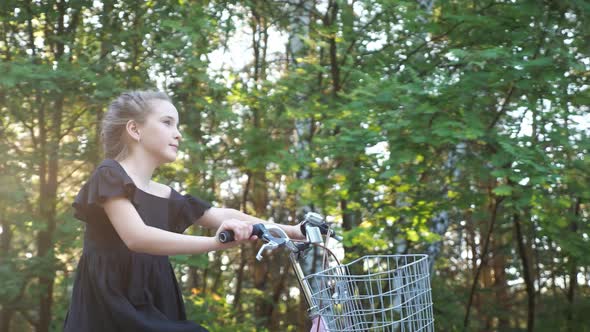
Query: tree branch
{"type": "Point", "coordinates": [72, 121]}
{"type": "Point", "coordinates": [503, 107]}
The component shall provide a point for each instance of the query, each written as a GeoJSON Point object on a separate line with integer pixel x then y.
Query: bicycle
{"type": "Point", "coordinates": [371, 293]}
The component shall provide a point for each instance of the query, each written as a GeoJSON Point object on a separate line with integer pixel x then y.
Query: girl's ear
{"type": "Point", "coordinates": [133, 130]}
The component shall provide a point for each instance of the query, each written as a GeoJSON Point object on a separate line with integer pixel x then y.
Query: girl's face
{"type": "Point", "coordinates": [159, 135]}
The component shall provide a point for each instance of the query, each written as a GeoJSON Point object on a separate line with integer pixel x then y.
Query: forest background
{"type": "Point", "coordinates": [453, 128]}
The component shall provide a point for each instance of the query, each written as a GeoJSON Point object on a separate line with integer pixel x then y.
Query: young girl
{"type": "Point", "coordinates": [124, 280]}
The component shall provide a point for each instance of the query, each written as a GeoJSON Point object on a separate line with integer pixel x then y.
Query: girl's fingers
{"type": "Point", "coordinates": [242, 231]}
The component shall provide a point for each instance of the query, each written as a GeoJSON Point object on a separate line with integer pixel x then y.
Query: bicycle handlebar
{"type": "Point", "coordinates": [260, 231]}
{"type": "Point", "coordinates": [312, 227]}
{"type": "Point", "coordinates": [228, 235]}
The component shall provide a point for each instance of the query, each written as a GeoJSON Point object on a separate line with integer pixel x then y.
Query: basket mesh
{"type": "Point", "coordinates": [375, 293]}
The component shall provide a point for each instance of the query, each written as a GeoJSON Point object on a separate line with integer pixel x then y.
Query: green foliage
{"type": "Point", "coordinates": [215, 313]}
{"type": "Point", "coordinates": [476, 109]}
{"type": "Point", "coordinates": [196, 261]}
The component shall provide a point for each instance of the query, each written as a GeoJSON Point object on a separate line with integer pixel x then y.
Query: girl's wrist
{"type": "Point", "coordinates": [213, 244]}
{"type": "Point", "coordinates": [294, 232]}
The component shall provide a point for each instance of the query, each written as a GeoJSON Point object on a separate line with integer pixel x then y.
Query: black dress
{"type": "Point", "coordinates": [115, 288]}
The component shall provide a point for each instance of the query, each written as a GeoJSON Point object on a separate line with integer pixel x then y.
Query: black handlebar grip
{"type": "Point", "coordinates": [227, 235]}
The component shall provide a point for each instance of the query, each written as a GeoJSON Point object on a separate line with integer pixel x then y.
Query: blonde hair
{"type": "Point", "coordinates": [132, 105]}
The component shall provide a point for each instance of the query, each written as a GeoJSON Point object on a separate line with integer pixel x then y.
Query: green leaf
{"type": "Point", "coordinates": [503, 190]}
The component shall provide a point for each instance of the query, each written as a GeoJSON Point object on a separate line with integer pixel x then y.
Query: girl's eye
{"type": "Point", "coordinates": [168, 122]}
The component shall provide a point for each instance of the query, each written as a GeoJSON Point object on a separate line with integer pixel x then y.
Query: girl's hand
{"type": "Point", "coordinates": [296, 233]}
{"type": "Point", "coordinates": [242, 230]}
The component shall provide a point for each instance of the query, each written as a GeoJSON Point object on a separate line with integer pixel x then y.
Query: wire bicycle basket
{"type": "Point", "coordinates": [374, 293]}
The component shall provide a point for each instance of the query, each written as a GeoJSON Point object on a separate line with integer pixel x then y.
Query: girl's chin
{"type": "Point", "coordinates": [172, 157]}
{"type": "Point", "coordinates": [168, 158]}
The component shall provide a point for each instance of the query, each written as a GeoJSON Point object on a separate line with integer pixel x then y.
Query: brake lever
{"type": "Point", "coordinates": [271, 242]}
{"type": "Point", "coordinates": [267, 246]}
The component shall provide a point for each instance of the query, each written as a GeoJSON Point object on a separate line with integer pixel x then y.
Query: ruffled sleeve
{"type": "Point", "coordinates": [108, 180]}
{"type": "Point", "coordinates": [186, 211]}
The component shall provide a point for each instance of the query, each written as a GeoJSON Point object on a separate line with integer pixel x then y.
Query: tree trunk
{"type": "Point", "coordinates": [334, 65]}
{"type": "Point", "coordinates": [5, 239]}
{"type": "Point", "coordinates": [487, 283]}
{"type": "Point", "coordinates": [573, 272]}
{"type": "Point", "coordinates": [484, 255]}
{"type": "Point", "coordinates": [527, 272]}
{"type": "Point", "coordinates": [299, 21]}
{"type": "Point", "coordinates": [500, 286]}
{"type": "Point", "coordinates": [5, 319]}
{"type": "Point", "coordinates": [239, 280]}
{"type": "Point", "coordinates": [277, 292]}
{"type": "Point", "coordinates": [47, 206]}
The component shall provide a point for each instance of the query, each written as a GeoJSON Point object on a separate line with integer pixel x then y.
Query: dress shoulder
{"type": "Point", "coordinates": [108, 180]}
{"type": "Point", "coordinates": [186, 210]}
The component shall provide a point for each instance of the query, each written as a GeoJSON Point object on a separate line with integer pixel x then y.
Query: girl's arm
{"type": "Point", "coordinates": [139, 237]}
{"type": "Point", "coordinates": [214, 217]}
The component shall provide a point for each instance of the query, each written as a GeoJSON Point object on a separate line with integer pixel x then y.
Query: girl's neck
{"type": "Point", "coordinates": [139, 169]}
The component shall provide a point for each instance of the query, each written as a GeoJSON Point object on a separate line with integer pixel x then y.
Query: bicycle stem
{"type": "Point", "coordinates": [294, 258]}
